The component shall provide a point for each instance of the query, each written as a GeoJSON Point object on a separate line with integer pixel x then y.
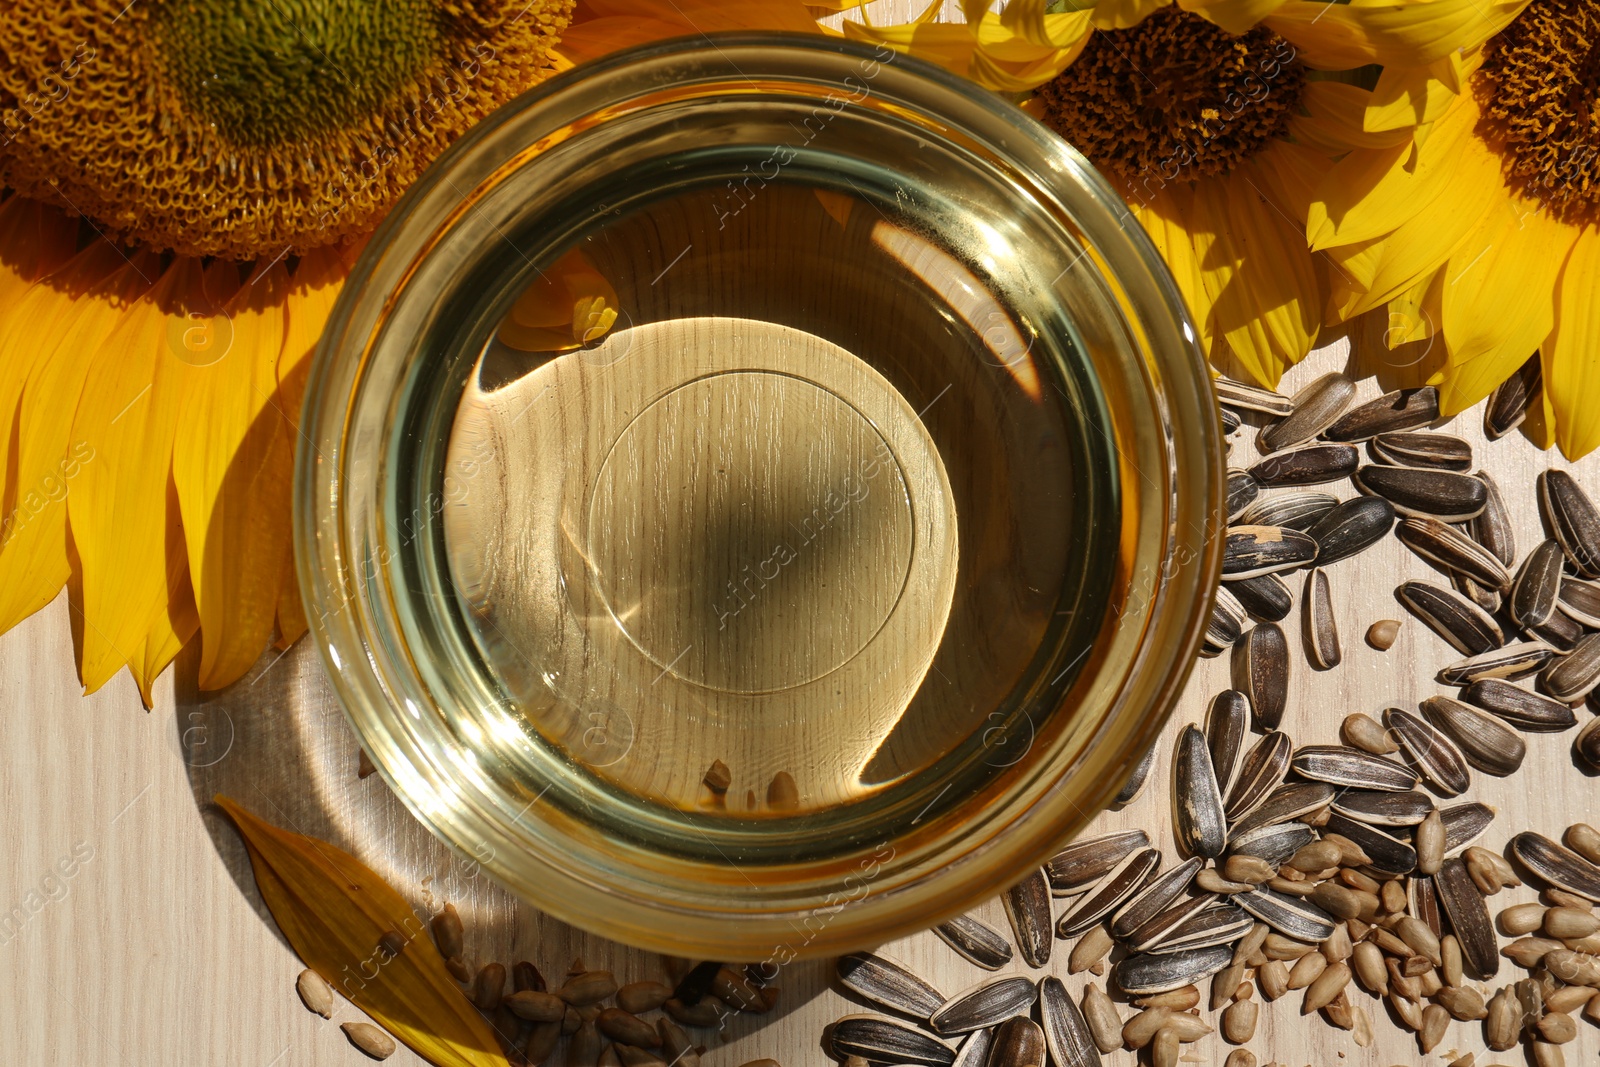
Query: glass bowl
{"type": "Point", "coordinates": [835, 583]}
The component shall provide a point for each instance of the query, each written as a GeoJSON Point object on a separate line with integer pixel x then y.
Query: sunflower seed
{"type": "Point", "coordinates": [1251, 551]}
{"type": "Point", "coordinates": [1315, 409]}
{"type": "Point", "coordinates": [1464, 824]}
{"type": "Point", "coordinates": [1377, 808]}
{"type": "Point", "coordinates": [1261, 673]}
{"type": "Point", "coordinates": [1307, 465]}
{"type": "Point", "coordinates": [977, 941]}
{"type": "Point", "coordinates": [1251, 397]}
{"type": "Point", "coordinates": [1469, 919]}
{"type": "Point", "coordinates": [1557, 865]}
{"type": "Point", "coordinates": [1430, 753]}
{"type": "Point", "coordinates": [1066, 1032]}
{"type": "Point", "coordinates": [1290, 916]}
{"type": "Point", "coordinates": [1216, 924]}
{"type": "Point", "coordinates": [1386, 850]}
{"type": "Point", "coordinates": [1428, 840]}
{"type": "Point", "coordinates": [1350, 767]}
{"type": "Point", "coordinates": [1362, 731]}
{"type": "Point", "coordinates": [1090, 949]}
{"type": "Point", "coordinates": [1273, 842]}
{"type": "Point", "coordinates": [1150, 973]}
{"type": "Point", "coordinates": [1486, 742]}
{"type": "Point", "coordinates": [1298, 510]}
{"type": "Point", "coordinates": [1402, 409]}
{"type": "Point", "coordinates": [369, 1039]}
{"type": "Point", "coordinates": [1263, 771]}
{"type": "Point", "coordinates": [1575, 675]}
{"type": "Point", "coordinates": [1197, 819]}
{"type": "Point", "coordinates": [1226, 623]}
{"type": "Point", "coordinates": [1121, 882]}
{"type": "Point", "coordinates": [1227, 721]}
{"type": "Point", "coordinates": [1155, 933]}
{"type": "Point", "coordinates": [1351, 527]}
{"type": "Point", "coordinates": [1242, 489]}
{"type": "Point", "coordinates": [1286, 802]}
{"type": "Point", "coordinates": [1447, 495]}
{"type": "Point", "coordinates": [1321, 633]}
{"type": "Point", "coordinates": [1135, 783]}
{"type": "Point", "coordinates": [1027, 905]}
{"type": "Point", "coordinates": [1522, 708]}
{"type": "Point", "coordinates": [1265, 596]}
{"type": "Point", "coordinates": [1511, 661]}
{"type": "Point", "coordinates": [1468, 628]}
{"type": "Point", "coordinates": [1439, 451]}
{"type": "Point", "coordinates": [1422, 901]}
{"type": "Point", "coordinates": [1508, 404]}
{"type": "Point", "coordinates": [1579, 601]}
{"type": "Point", "coordinates": [1083, 863]}
{"type": "Point", "coordinates": [888, 985]}
{"type": "Point", "coordinates": [1538, 584]}
{"type": "Point", "coordinates": [1587, 743]}
{"type": "Point", "coordinates": [1018, 1043]}
{"type": "Point", "coordinates": [315, 993]}
{"type": "Point", "coordinates": [1449, 548]}
{"type": "Point", "coordinates": [1491, 528]}
{"type": "Point", "coordinates": [881, 1040]}
{"type": "Point", "coordinates": [1560, 630]}
{"type": "Point", "coordinates": [1573, 517]}
{"type": "Point", "coordinates": [1100, 1013]}
{"type": "Point", "coordinates": [989, 1003]}
{"type": "Point", "coordinates": [974, 1049]}
{"type": "Point", "coordinates": [1230, 419]}
{"type": "Point", "coordinates": [1151, 900]}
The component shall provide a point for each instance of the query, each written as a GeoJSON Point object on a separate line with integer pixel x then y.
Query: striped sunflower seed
{"type": "Point", "coordinates": [1574, 518]}
{"type": "Point", "coordinates": [1226, 623]}
{"type": "Point", "coordinates": [1377, 808]}
{"type": "Point", "coordinates": [1402, 409]}
{"type": "Point", "coordinates": [1027, 905]}
{"type": "Point", "coordinates": [1351, 527]}
{"type": "Point", "coordinates": [989, 1003]}
{"type": "Point", "coordinates": [888, 984]}
{"type": "Point", "coordinates": [1350, 767]}
{"type": "Point", "coordinates": [1263, 770]}
{"type": "Point", "coordinates": [1316, 407]}
{"type": "Point", "coordinates": [1083, 863]}
{"type": "Point", "coordinates": [1217, 924]}
{"type": "Point", "coordinates": [1448, 495]}
{"type": "Point", "coordinates": [1579, 601]}
{"type": "Point", "coordinates": [1522, 708]}
{"type": "Point", "coordinates": [1383, 845]}
{"type": "Point", "coordinates": [1018, 1043]}
{"type": "Point", "coordinates": [1469, 919]}
{"type": "Point", "coordinates": [1252, 397]}
{"type": "Point", "coordinates": [1510, 661]}
{"type": "Point", "coordinates": [977, 941]}
{"type": "Point", "coordinates": [1154, 897]}
{"type": "Point", "coordinates": [882, 1040]}
{"type": "Point", "coordinates": [1537, 588]}
{"type": "Point", "coordinates": [1242, 489]}
{"type": "Point", "coordinates": [1486, 742]}
{"type": "Point", "coordinates": [1422, 901]}
{"type": "Point", "coordinates": [1227, 721]}
{"type": "Point", "coordinates": [1118, 884]}
{"type": "Point", "coordinates": [1230, 419]}
{"type": "Point", "coordinates": [1492, 526]}
{"type": "Point", "coordinates": [1311, 464]}
{"type": "Point", "coordinates": [1321, 632]}
{"type": "Point", "coordinates": [1264, 597]}
{"type": "Point", "coordinates": [1297, 510]}
{"type": "Point", "coordinates": [1430, 753]}
{"type": "Point", "coordinates": [1285, 803]}
{"type": "Point", "coordinates": [1557, 865]}
{"type": "Point", "coordinates": [1261, 672]}
{"type": "Point", "coordinates": [1464, 824]}
{"type": "Point", "coordinates": [1135, 783]}
{"type": "Point", "coordinates": [1066, 1032]}
{"type": "Point", "coordinates": [974, 1050]}
{"type": "Point", "coordinates": [1251, 551]}
{"type": "Point", "coordinates": [1153, 934]}
{"type": "Point", "coordinates": [1587, 743]}
{"type": "Point", "coordinates": [1444, 545]}
{"type": "Point", "coordinates": [1197, 818]}
{"type": "Point", "coordinates": [1468, 628]}
{"type": "Point", "coordinates": [1150, 973]}
{"type": "Point", "coordinates": [1292, 917]}
{"type": "Point", "coordinates": [1272, 842]}
{"type": "Point", "coordinates": [1508, 404]}
{"type": "Point", "coordinates": [1440, 451]}
{"type": "Point", "coordinates": [1561, 630]}
{"type": "Point", "coordinates": [1575, 675]}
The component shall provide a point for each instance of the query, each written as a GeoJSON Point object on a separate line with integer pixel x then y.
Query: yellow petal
{"type": "Point", "coordinates": [1234, 16]}
{"type": "Point", "coordinates": [1413, 96]}
{"type": "Point", "coordinates": [1333, 120]}
{"type": "Point", "coordinates": [710, 16]}
{"type": "Point", "coordinates": [1571, 354]}
{"type": "Point", "coordinates": [291, 613]}
{"type": "Point", "coordinates": [570, 304]}
{"type": "Point", "coordinates": [1123, 14]}
{"type": "Point", "coordinates": [1331, 36]}
{"type": "Point", "coordinates": [597, 37]}
{"type": "Point", "coordinates": [174, 627]}
{"type": "Point", "coordinates": [314, 288]}
{"type": "Point", "coordinates": [334, 911]}
{"type": "Point", "coordinates": [1164, 218]}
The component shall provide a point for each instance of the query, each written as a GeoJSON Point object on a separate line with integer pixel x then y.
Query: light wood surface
{"type": "Point", "coordinates": [154, 949]}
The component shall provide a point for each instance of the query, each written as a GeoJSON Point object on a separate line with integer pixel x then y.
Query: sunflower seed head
{"type": "Point", "coordinates": [1261, 672]}
{"type": "Point", "coordinates": [888, 984]}
{"type": "Point", "coordinates": [1251, 551]}
{"type": "Point", "coordinates": [1469, 919]}
{"type": "Point", "coordinates": [1574, 518]}
{"type": "Point", "coordinates": [1117, 885]}
{"type": "Point", "coordinates": [1135, 783]}
{"type": "Point", "coordinates": [1264, 597]}
{"type": "Point", "coordinates": [1447, 495]}
{"type": "Point", "coordinates": [1377, 808]}
{"type": "Point", "coordinates": [977, 941]}
{"type": "Point", "coordinates": [1343, 766]}
{"type": "Point", "coordinates": [1508, 404]}
{"type": "Point", "coordinates": [1575, 675]}
{"type": "Point", "coordinates": [1150, 973]}
{"type": "Point", "coordinates": [1018, 1043]}
{"type": "Point", "coordinates": [1430, 752]}
{"type": "Point", "coordinates": [1296, 510]}
{"type": "Point", "coordinates": [1421, 449]}
{"type": "Point", "coordinates": [1402, 409]}
{"type": "Point", "coordinates": [989, 1003]}
{"type": "Point", "coordinates": [1066, 1032]}
{"type": "Point", "coordinates": [1242, 489]}
{"type": "Point", "coordinates": [1263, 770]}
{"type": "Point", "coordinates": [1444, 545]}
{"type": "Point", "coordinates": [1557, 865]}
{"type": "Point", "coordinates": [1491, 528]}
{"type": "Point", "coordinates": [1311, 464]}
{"type": "Point", "coordinates": [1315, 409]}
{"type": "Point", "coordinates": [1027, 905]}
{"type": "Point", "coordinates": [1468, 628]}
{"type": "Point", "coordinates": [1197, 818]}
{"type": "Point", "coordinates": [882, 1040]}
{"type": "Point", "coordinates": [1486, 742]}
{"type": "Point", "coordinates": [1321, 633]}
{"type": "Point", "coordinates": [1151, 900]}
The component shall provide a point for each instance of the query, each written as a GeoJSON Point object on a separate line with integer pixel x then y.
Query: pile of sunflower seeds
{"type": "Point", "coordinates": [1325, 869]}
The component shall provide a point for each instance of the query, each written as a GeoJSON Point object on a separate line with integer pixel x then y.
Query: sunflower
{"type": "Point", "coordinates": [1481, 230]}
{"type": "Point", "coordinates": [1217, 122]}
{"type": "Point", "coordinates": [188, 184]}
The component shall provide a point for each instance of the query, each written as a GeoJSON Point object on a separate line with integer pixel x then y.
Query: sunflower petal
{"type": "Point", "coordinates": [1331, 36]}
{"type": "Point", "coordinates": [1164, 218]}
{"type": "Point", "coordinates": [1571, 354]}
{"type": "Point", "coordinates": [1413, 96]}
{"type": "Point", "coordinates": [1234, 16]}
{"type": "Point", "coordinates": [174, 627]}
{"type": "Point", "coordinates": [1332, 121]}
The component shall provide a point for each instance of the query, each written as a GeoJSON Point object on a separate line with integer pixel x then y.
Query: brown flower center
{"type": "Point", "coordinates": [1540, 92]}
{"type": "Point", "coordinates": [1174, 98]}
